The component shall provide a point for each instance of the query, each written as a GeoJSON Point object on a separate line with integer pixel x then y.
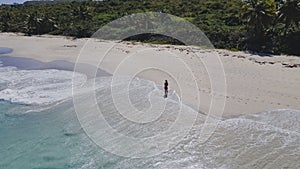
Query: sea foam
{"type": "Point", "coordinates": [269, 139]}
{"type": "Point", "coordinates": [36, 86]}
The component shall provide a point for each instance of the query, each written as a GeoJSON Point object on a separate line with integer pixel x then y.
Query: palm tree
{"type": "Point", "coordinates": [289, 13]}
{"type": "Point", "coordinates": [259, 14]}
{"type": "Point", "coordinates": [38, 23]}
{"type": "Point", "coordinates": [31, 23]}
{"type": "Point", "coordinates": [4, 21]}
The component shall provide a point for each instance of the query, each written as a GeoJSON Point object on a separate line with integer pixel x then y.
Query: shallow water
{"type": "Point", "coordinates": [49, 139]}
{"type": "Point", "coordinates": [5, 50]}
{"type": "Point", "coordinates": [39, 129]}
{"type": "Point", "coordinates": [53, 138]}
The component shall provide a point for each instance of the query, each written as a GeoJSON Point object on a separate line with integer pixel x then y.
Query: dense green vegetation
{"type": "Point", "coordinates": [270, 26]}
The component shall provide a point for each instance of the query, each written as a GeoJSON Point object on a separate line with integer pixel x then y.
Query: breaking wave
{"type": "Point", "coordinates": [53, 137]}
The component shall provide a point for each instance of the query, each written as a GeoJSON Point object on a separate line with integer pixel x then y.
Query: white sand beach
{"type": "Point", "coordinates": [254, 83]}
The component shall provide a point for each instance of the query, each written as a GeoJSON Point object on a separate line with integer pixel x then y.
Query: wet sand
{"type": "Point", "coordinates": [254, 83]}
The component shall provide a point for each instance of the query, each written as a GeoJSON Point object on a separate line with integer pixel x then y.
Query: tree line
{"type": "Point", "coordinates": [270, 26]}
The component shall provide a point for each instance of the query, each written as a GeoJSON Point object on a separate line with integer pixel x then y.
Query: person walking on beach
{"type": "Point", "coordinates": [166, 88]}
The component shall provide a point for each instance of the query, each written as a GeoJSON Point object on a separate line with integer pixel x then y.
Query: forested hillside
{"type": "Point", "coordinates": [258, 25]}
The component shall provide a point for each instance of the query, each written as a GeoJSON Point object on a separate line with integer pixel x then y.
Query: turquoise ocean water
{"type": "Point", "coordinates": [39, 129]}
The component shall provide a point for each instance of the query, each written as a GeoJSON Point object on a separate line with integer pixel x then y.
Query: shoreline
{"type": "Point", "coordinates": [24, 63]}
{"type": "Point", "coordinates": [254, 83]}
